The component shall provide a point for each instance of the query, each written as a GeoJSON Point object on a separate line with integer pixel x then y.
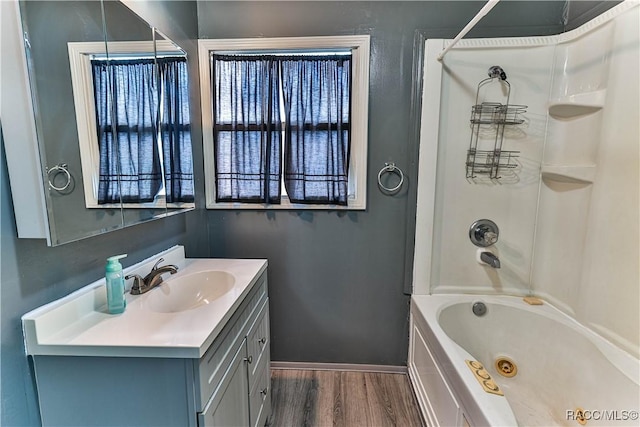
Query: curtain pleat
{"type": "Point", "coordinates": [316, 100]}
{"type": "Point", "coordinates": [130, 170]}
{"type": "Point", "coordinates": [247, 130]}
{"type": "Point", "coordinates": [175, 130]}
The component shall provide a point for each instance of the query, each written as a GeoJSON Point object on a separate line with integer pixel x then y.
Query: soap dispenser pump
{"type": "Point", "coordinates": [116, 302]}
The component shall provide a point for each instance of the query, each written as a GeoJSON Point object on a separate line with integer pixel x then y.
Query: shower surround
{"type": "Point", "coordinates": [568, 214]}
{"type": "Point", "coordinates": [568, 219]}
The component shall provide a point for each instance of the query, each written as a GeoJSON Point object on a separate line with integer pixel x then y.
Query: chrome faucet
{"type": "Point", "coordinates": [490, 259]}
{"type": "Point", "coordinates": [151, 280]}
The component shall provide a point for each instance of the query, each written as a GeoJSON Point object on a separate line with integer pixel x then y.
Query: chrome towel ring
{"type": "Point", "coordinates": [390, 168]}
{"type": "Point", "coordinates": [60, 168]}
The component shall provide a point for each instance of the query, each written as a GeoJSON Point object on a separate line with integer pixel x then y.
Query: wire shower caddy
{"type": "Point", "coordinates": [488, 120]}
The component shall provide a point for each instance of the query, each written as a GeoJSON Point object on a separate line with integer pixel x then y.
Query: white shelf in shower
{"type": "Point", "coordinates": [583, 174]}
{"type": "Point", "coordinates": [578, 104]}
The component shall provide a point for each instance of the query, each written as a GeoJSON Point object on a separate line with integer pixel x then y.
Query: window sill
{"type": "Point", "coordinates": [153, 205]}
{"type": "Point", "coordinates": [353, 205]}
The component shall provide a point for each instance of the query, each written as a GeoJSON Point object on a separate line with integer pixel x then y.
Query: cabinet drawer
{"type": "Point", "coordinates": [258, 343]}
{"type": "Point", "coordinates": [219, 354]}
{"type": "Point", "coordinates": [260, 397]}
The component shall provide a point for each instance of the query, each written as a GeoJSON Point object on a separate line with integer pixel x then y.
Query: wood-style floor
{"type": "Point", "coordinates": [302, 398]}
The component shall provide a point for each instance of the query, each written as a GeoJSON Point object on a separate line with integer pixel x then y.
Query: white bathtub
{"type": "Point", "coordinates": [561, 365]}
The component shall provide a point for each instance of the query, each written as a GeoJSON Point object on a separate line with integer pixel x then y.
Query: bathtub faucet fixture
{"type": "Point", "coordinates": [484, 233]}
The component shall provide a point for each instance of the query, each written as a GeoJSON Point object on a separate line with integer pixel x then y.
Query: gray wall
{"type": "Point", "coordinates": [579, 12]}
{"type": "Point", "coordinates": [336, 280]}
{"type": "Point", "coordinates": [33, 274]}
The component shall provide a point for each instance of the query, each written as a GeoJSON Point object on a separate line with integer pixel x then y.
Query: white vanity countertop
{"type": "Point", "coordinates": [79, 324]}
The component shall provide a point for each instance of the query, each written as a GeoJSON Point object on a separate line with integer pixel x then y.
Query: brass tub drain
{"type": "Point", "coordinates": [506, 367]}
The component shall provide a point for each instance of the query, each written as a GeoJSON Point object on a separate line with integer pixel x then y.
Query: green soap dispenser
{"type": "Point", "coordinates": [116, 302]}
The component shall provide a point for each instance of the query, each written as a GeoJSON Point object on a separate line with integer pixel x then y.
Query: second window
{"type": "Point", "coordinates": [288, 122]}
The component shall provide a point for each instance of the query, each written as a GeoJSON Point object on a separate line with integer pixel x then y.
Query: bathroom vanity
{"type": "Point", "coordinates": [192, 352]}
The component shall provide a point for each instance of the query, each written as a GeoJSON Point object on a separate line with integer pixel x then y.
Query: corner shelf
{"type": "Point", "coordinates": [583, 174]}
{"type": "Point", "coordinates": [577, 105]}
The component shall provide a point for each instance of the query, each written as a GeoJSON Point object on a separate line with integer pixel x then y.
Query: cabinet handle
{"type": "Point", "coordinates": [262, 340]}
{"type": "Point", "coordinates": [248, 359]}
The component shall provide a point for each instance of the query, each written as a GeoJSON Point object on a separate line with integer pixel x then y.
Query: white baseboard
{"type": "Point", "coordinates": [312, 366]}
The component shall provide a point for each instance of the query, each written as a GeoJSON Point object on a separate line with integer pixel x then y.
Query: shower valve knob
{"type": "Point", "coordinates": [490, 237]}
{"type": "Point", "coordinates": [483, 233]}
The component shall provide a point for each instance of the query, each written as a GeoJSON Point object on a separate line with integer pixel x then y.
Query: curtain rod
{"type": "Point", "coordinates": [485, 9]}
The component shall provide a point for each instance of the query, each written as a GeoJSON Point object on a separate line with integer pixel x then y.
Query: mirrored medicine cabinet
{"type": "Point", "coordinates": [110, 109]}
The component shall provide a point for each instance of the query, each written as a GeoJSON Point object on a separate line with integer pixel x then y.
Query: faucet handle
{"type": "Point", "coordinates": [155, 266]}
{"type": "Point", "coordinates": [483, 233]}
{"type": "Point", "coordinates": [490, 238]}
{"type": "Point", "coordinates": [138, 281]}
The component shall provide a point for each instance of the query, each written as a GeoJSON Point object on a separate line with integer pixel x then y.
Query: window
{"type": "Point", "coordinates": [285, 122]}
{"type": "Point", "coordinates": [133, 124]}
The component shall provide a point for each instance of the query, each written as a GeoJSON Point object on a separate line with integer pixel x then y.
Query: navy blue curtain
{"type": "Point", "coordinates": [316, 101]}
{"type": "Point", "coordinates": [126, 99]}
{"type": "Point", "coordinates": [175, 130]}
{"type": "Point", "coordinates": [316, 90]}
{"type": "Point", "coordinates": [247, 128]}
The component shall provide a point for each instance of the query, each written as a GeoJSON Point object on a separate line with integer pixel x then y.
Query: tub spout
{"type": "Point", "coordinates": [490, 259]}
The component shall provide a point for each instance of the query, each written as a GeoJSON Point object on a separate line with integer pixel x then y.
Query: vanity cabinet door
{"type": "Point", "coordinates": [260, 398]}
{"type": "Point", "coordinates": [258, 344]}
{"type": "Point", "coordinates": [259, 370]}
{"type": "Point", "coordinates": [229, 405]}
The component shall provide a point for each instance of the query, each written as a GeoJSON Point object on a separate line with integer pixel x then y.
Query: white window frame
{"type": "Point", "coordinates": [80, 55]}
{"type": "Point", "coordinates": [359, 46]}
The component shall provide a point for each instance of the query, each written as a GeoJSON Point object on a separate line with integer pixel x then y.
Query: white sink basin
{"type": "Point", "coordinates": [189, 292]}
